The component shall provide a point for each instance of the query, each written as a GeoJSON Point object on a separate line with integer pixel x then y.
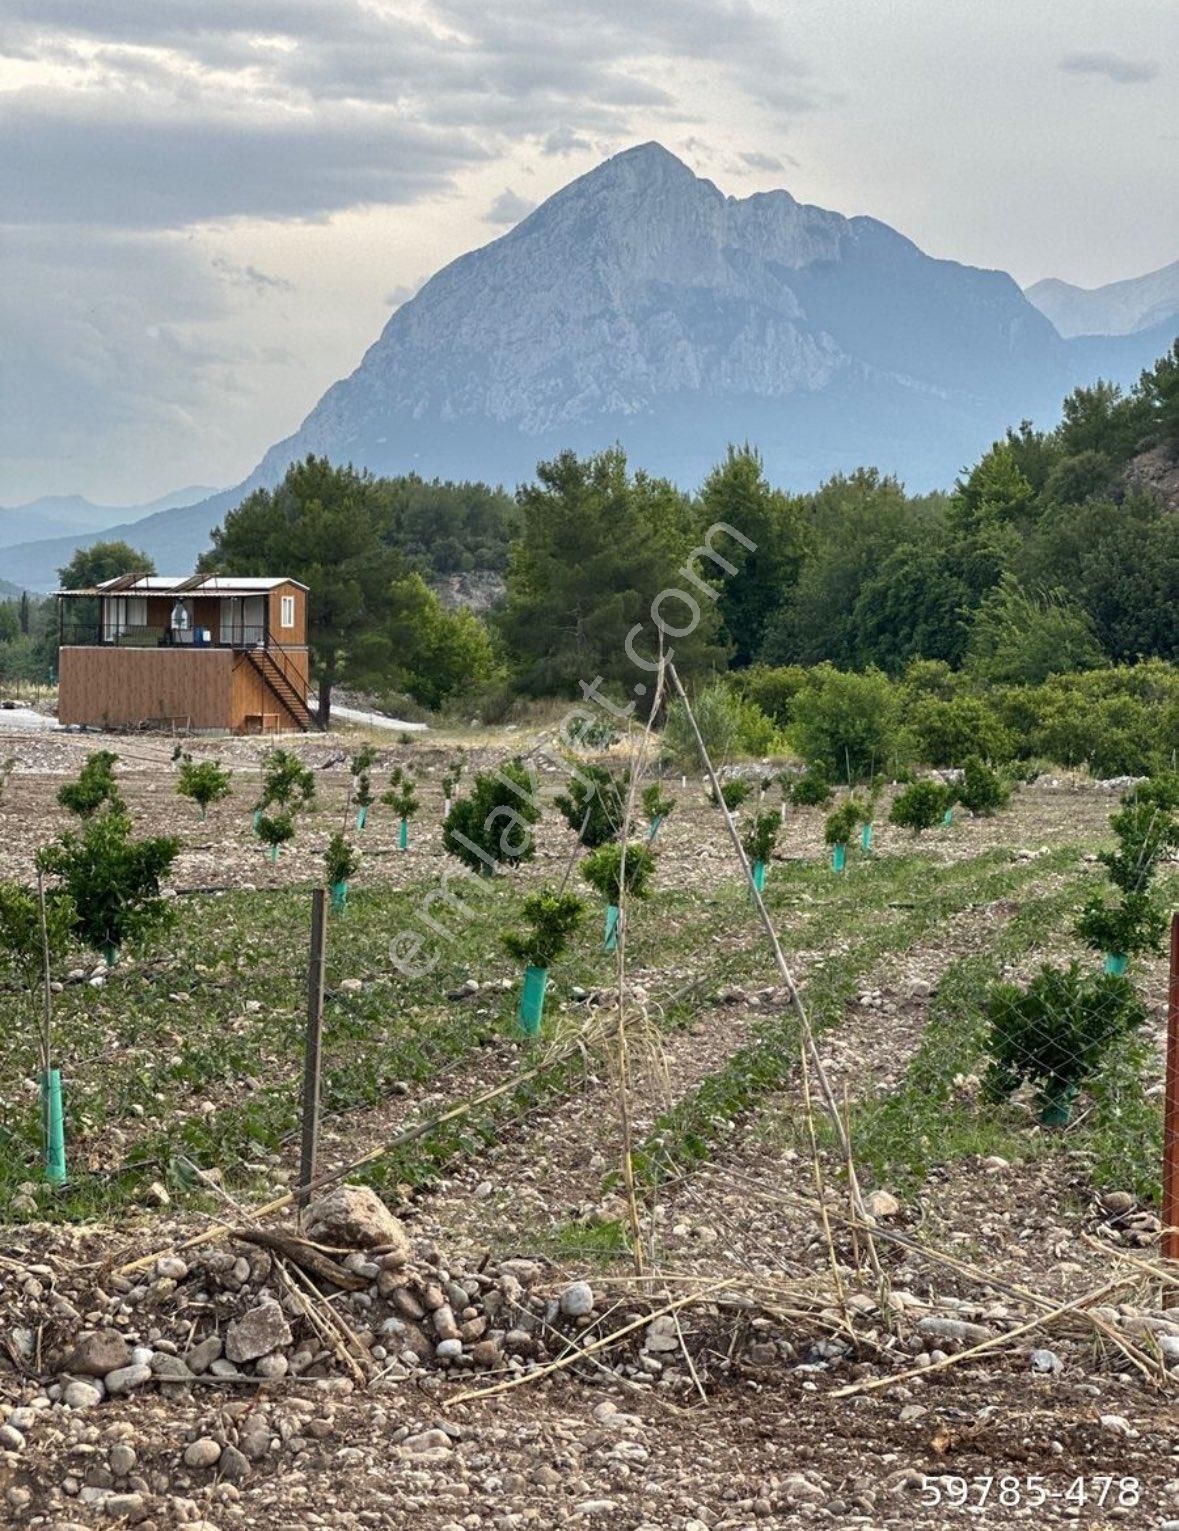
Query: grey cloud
{"type": "Point", "coordinates": [143, 167]}
{"type": "Point", "coordinates": [1123, 71]}
{"type": "Point", "coordinates": [758, 161]}
{"type": "Point", "coordinates": [250, 277]}
{"type": "Point", "coordinates": [508, 208]}
{"type": "Point", "coordinates": [564, 141]}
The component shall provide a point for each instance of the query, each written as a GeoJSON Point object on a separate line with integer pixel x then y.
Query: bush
{"type": "Point", "coordinates": [981, 789]}
{"type": "Point", "coordinates": [733, 793]}
{"type": "Point", "coordinates": [1134, 924]}
{"type": "Point", "coordinates": [401, 795]}
{"type": "Point", "coordinates": [472, 829]}
{"type": "Point", "coordinates": [112, 880]}
{"type": "Point", "coordinates": [595, 804]}
{"type": "Point", "coordinates": [1055, 1033]}
{"type": "Point", "coordinates": [772, 688]}
{"type": "Point", "coordinates": [603, 870]}
{"type": "Point", "coordinates": [553, 917]}
{"type": "Point", "coordinates": [761, 835]}
{"type": "Point", "coordinates": [847, 724]}
{"type": "Point", "coordinates": [756, 734]}
{"type": "Point", "coordinates": [811, 790]}
{"type": "Point", "coordinates": [657, 804]}
{"type": "Point", "coordinates": [921, 806]}
{"type": "Point", "coordinates": [340, 861]}
{"type": "Point", "coordinates": [718, 717]}
{"type": "Point", "coordinates": [275, 829]}
{"type": "Point", "coordinates": [285, 781]}
{"type": "Point", "coordinates": [946, 732]}
{"type": "Point", "coordinates": [203, 781]}
{"type": "Point", "coordinates": [94, 788]}
{"type": "Point", "coordinates": [843, 822]}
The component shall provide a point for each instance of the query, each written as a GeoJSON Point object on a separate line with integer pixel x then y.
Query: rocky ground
{"type": "Point", "coordinates": [465, 1363]}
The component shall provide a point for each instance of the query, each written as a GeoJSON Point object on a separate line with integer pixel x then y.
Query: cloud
{"type": "Point", "coordinates": [1123, 71]}
{"type": "Point", "coordinates": [250, 277]}
{"type": "Point", "coordinates": [564, 141]}
{"type": "Point", "coordinates": [508, 208]}
{"type": "Point", "coordinates": [759, 161]}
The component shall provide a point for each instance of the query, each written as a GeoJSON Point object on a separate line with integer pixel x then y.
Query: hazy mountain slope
{"type": "Point", "coordinates": [58, 515]}
{"type": "Point", "coordinates": [1119, 308]}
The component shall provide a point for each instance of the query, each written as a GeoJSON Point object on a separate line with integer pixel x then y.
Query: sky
{"type": "Point", "coordinates": [209, 208]}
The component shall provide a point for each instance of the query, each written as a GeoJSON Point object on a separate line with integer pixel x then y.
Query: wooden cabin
{"type": "Point", "coordinates": [207, 653]}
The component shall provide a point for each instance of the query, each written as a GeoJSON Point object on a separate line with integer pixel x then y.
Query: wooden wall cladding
{"type": "Point", "coordinates": [128, 686]}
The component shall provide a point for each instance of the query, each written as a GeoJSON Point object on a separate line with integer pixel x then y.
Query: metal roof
{"type": "Point", "coordinates": [223, 585]}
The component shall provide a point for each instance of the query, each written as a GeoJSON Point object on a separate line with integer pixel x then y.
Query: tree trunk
{"type": "Point", "coordinates": [326, 678]}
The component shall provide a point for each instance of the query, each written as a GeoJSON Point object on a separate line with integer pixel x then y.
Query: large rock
{"type": "Point", "coordinates": [353, 1215]}
{"type": "Point", "coordinates": [97, 1353]}
{"type": "Point", "coordinates": [263, 1329]}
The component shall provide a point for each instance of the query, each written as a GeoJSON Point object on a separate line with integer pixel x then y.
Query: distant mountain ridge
{"type": "Point", "coordinates": [1119, 308]}
{"type": "Point", "coordinates": [64, 514]}
{"type": "Point", "coordinates": [641, 305]}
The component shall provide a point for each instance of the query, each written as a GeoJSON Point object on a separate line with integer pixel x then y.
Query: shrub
{"type": "Point", "coordinates": [981, 789]}
{"type": "Point", "coordinates": [1145, 834]}
{"type": "Point", "coordinates": [847, 724]}
{"type": "Point", "coordinates": [112, 880]}
{"type": "Point", "coordinates": [203, 781]}
{"type": "Point", "coordinates": [756, 734]}
{"type": "Point", "coordinates": [275, 830]}
{"type": "Point", "coordinates": [921, 806]}
{"type": "Point", "coordinates": [479, 828]}
{"type": "Point", "coordinates": [761, 835]}
{"type": "Point", "coordinates": [843, 822]}
{"type": "Point", "coordinates": [946, 732]}
{"type": "Point", "coordinates": [772, 688]}
{"type": "Point", "coordinates": [285, 781]}
{"type": "Point", "coordinates": [21, 951]}
{"type": "Point", "coordinates": [340, 860]}
{"type": "Point", "coordinates": [402, 794]}
{"type": "Point", "coordinates": [1134, 924]}
{"type": "Point", "coordinates": [733, 793]}
{"type": "Point", "coordinates": [718, 717]}
{"type": "Point", "coordinates": [657, 804]}
{"type": "Point", "coordinates": [595, 804]}
{"type": "Point", "coordinates": [552, 918]}
{"type": "Point", "coordinates": [452, 776]}
{"type": "Point", "coordinates": [603, 870]}
{"type": "Point", "coordinates": [1055, 1033]}
{"type": "Point", "coordinates": [811, 790]}
{"type": "Point", "coordinates": [363, 760]}
{"type": "Point", "coordinates": [591, 734]}
{"type": "Point", "coordinates": [94, 788]}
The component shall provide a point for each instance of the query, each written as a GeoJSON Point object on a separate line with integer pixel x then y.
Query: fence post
{"type": "Point", "coordinates": [1171, 1111]}
{"type": "Point", "coordinates": [310, 1120]}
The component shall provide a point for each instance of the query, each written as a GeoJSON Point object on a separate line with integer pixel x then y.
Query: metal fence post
{"type": "Point", "coordinates": [311, 1050]}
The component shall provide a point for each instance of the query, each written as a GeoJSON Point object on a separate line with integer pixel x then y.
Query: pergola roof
{"type": "Point", "coordinates": [219, 586]}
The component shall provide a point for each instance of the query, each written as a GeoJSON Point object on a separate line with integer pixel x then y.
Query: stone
{"type": "Point", "coordinates": [577, 1300]}
{"type": "Point", "coordinates": [486, 1353]}
{"type": "Point", "coordinates": [448, 1350]}
{"type": "Point", "coordinates": [1117, 1424]}
{"type": "Point", "coordinates": [263, 1329]}
{"type": "Point", "coordinates": [936, 1327]}
{"type": "Point", "coordinates": [1046, 1361]}
{"type": "Point", "coordinates": [99, 1352]}
{"type": "Point", "coordinates": [881, 1204]}
{"type": "Point", "coordinates": [11, 1439]}
{"type": "Point", "coordinates": [407, 1304]}
{"type": "Point", "coordinates": [426, 1441]}
{"type": "Point", "coordinates": [445, 1325]}
{"type": "Point", "coordinates": [233, 1465]}
{"type": "Point", "coordinates": [661, 1334]}
{"type": "Point", "coordinates": [205, 1452]}
{"type": "Point", "coordinates": [81, 1395]}
{"type": "Point", "coordinates": [202, 1356]}
{"type": "Point", "coordinates": [124, 1506]}
{"type": "Point", "coordinates": [272, 1366]}
{"type": "Point", "coordinates": [170, 1369]}
{"type": "Point", "coordinates": [125, 1378]}
{"type": "Point", "coordinates": [354, 1215]}
{"type": "Point", "coordinates": [171, 1267]}
{"type": "Point", "coordinates": [1118, 1203]}
{"type": "Point", "coordinates": [122, 1459]}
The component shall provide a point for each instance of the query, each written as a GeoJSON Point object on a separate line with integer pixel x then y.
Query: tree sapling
{"type": "Point", "coordinates": [839, 827]}
{"type": "Point", "coordinates": [595, 804]}
{"type": "Point", "coordinates": [402, 798]}
{"type": "Point", "coordinates": [552, 918]}
{"type": "Point", "coordinates": [94, 788]}
{"type": "Point", "coordinates": [759, 839]}
{"type": "Point", "coordinates": [657, 804]}
{"type": "Point", "coordinates": [493, 824]}
{"type": "Point", "coordinates": [340, 863]}
{"type": "Point", "coordinates": [203, 781]}
{"type": "Point", "coordinates": [922, 805]}
{"type": "Point", "coordinates": [613, 869]}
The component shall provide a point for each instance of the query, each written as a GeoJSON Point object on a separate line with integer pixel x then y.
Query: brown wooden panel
{"type": "Point", "coordinates": [123, 687]}
{"type": "Point", "coordinates": [288, 636]}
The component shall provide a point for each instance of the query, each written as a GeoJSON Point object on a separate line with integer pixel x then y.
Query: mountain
{"type": "Point", "coordinates": [1119, 308]}
{"type": "Point", "coordinates": [64, 514]}
{"type": "Point", "coordinates": [639, 304]}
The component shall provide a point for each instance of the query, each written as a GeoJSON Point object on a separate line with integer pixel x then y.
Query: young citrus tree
{"type": "Point", "coordinates": [95, 787]}
{"type": "Point", "coordinates": [492, 826]}
{"type": "Point", "coordinates": [203, 781]}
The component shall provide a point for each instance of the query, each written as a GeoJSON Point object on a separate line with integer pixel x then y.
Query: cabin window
{"type": "Point", "coordinates": [287, 615]}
